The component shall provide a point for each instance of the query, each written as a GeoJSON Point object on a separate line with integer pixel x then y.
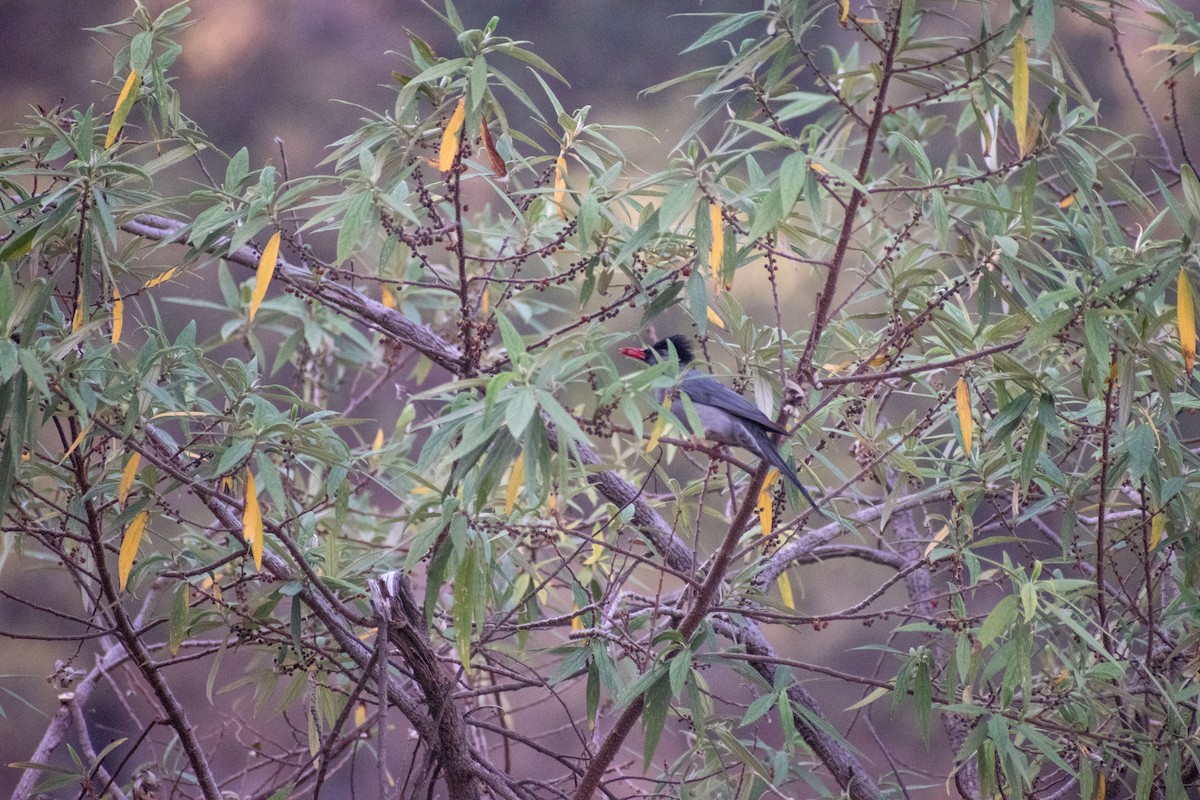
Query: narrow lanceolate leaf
{"type": "Point", "coordinates": [129, 546]}
{"type": "Point", "coordinates": [937, 539]}
{"type": "Point", "coordinates": [266, 270]}
{"type": "Point", "coordinates": [449, 148]}
{"type": "Point", "coordinates": [844, 13]}
{"type": "Point", "coordinates": [714, 319]}
{"type": "Point", "coordinates": [252, 523]}
{"type": "Point", "coordinates": [1185, 310]}
{"type": "Point", "coordinates": [127, 476]}
{"type": "Point", "coordinates": [560, 185]}
{"type": "Point", "coordinates": [77, 318]}
{"type": "Point", "coordinates": [785, 591]}
{"type": "Point", "coordinates": [360, 715]}
{"type": "Point", "coordinates": [489, 147]}
{"type": "Point", "coordinates": [660, 425]}
{"type": "Point", "coordinates": [485, 303]}
{"type": "Point", "coordinates": [1157, 524]}
{"type": "Point", "coordinates": [515, 479]}
{"type": "Point", "coordinates": [125, 101]}
{"type": "Point", "coordinates": [118, 320]}
{"type": "Point", "coordinates": [962, 401]}
{"type": "Point", "coordinates": [766, 511]}
{"type": "Point", "coordinates": [1020, 91]}
{"type": "Point", "coordinates": [717, 251]}
{"type": "Point", "coordinates": [163, 278]}
{"type": "Point", "coordinates": [78, 441]}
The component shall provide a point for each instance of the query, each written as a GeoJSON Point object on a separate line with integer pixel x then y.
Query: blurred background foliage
{"type": "Point", "coordinates": [1058, 248]}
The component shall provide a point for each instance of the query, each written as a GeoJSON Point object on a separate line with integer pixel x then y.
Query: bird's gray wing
{"type": "Point", "coordinates": [711, 392]}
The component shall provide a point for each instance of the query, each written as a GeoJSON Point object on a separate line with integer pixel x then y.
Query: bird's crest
{"type": "Point", "coordinates": [683, 349]}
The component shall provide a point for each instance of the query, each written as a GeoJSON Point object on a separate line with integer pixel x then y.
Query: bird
{"type": "Point", "coordinates": [727, 417]}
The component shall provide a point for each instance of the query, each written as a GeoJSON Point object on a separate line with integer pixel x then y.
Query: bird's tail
{"type": "Point", "coordinates": [770, 453]}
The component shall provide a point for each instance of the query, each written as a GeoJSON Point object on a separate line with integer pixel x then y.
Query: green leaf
{"type": "Point", "coordinates": [743, 755]}
{"type": "Point", "coordinates": [508, 334]}
{"type": "Point", "coordinates": [1146, 772]}
{"type": "Point", "coordinates": [1043, 23]}
{"type": "Point", "coordinates": [1009, 417]}
{"type": "Point", "coordinates": [236, 170]}
{"type": "Point", "coordinates": [1032, 452]}
{"type": "Point", "coordinates": [1141, 443]}
{"type": "Point", "coordinates": [654, 717]}
{"type": "Point", "coordinates": [519, 411]}
{"type": "Point", "coordinates": [466, 590]}
{"type": "Point", "coordinates": [177, 630]}
{"type": "Point", "coordinates": [1191, 190]}
{"type": "Point", "coordinates": [358, 214]}
{"type": "Point", "coordinates": [140, 49]}
{"type": "Point", "coordinates": [999, 620]}
{"type": "Point", "coordinates": [680, 670]}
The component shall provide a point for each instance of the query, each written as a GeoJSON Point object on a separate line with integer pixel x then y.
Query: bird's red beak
{"type": "Point", "coordinates": [634, 352]}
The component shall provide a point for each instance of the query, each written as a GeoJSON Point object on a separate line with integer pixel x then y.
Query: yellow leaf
{"type": "Point", "coordinates": [560, 185]}
{"type": "Point", "coordinates": [386, 297]}
{"type": "Point", "coordinates": [78, 441]}
{"type": "Point", "coordinates": [1101, 787]}
{"type": "Point", "coordinates": [360, 715]}
{"type": "Point", "coordinates": [785, 591]}
{"type": "Point", "coordinates": [936, 540]}
{"type": "Point", "coordinates": [252, 523]}
{"type": "Point", "coordinates": [377, 444]}
{"type": "Point", "coordinates": [127, 476]}
{"type": "Point", "coordinates": [1029, 142]}
{"type": "Point", "coordinates": [125, 101]}
{"type": "Point", "coordinates": [716, 251]}
{"type": "Point", "coordinates": [1067, 201]}
{"type": "Point", "coordinates": [844, 5]}
{"type": "Point", "coordinates": [118, 321]}
{"type": "Point", "coordinates": [129, 546]}
{"type": "Point", "coordinates": [577, 620]}
{"type": "Point", "coordinates": [818, 168]}
{"type": "Point", "coordinates": [714, 319]}
{"type": "Point", "coordinates": [1185, 311]}
{"type": "Point", "coordinates": [1189, 49]}
{"type": "Point", "coordinates": [77, 319]}
{"type": "Point", "coordinates": [552, 503]}
{"type": "Point", "coordinates": [766, 512]}
{"type": "Point", "coordinates": [266, 270]}
{"type": "Point", "coordinates": [962, 400]}
{"type": "Point", "coordinates": [872, 696]}
{"type": "Point", "coordinates": [227, 484]}
{"type": "Point", "coordinates": [156, 280]}
{"type": "Point", "coordinates": [449, 148]}
{"type": "Point", "coordinates": [1020, 91]}
{"type": "Point", "coordinates": [515, 479]}
{"type": "Point", "coordinates": [484, 303]}
{"type": "Point", "coordinates": [599, 556]}
{"type": "Point", "coordinates": [489, 146]}
{"type": "Point", "coordinates": [660, 425]}
{"type": "Point", "coordinates": [1158, 523]}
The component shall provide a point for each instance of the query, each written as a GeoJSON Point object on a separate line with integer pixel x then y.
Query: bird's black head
{"type": "Point", "coordinates": [661, 351]}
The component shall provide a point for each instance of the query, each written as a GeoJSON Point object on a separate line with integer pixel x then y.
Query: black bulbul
{"type": "Point", "coordinates": [727, 417]}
